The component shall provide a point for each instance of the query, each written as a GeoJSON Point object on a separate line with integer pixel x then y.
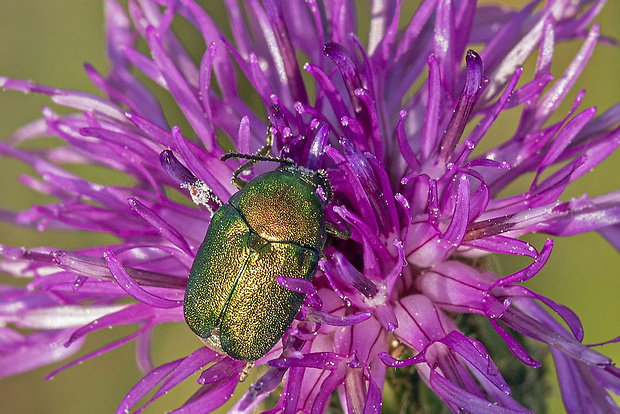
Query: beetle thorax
{"type": "Point", "coordinates": [282, 206]}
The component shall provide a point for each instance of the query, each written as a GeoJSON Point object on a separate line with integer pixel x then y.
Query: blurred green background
{"type": "Point", "coordinates": [48, 42]}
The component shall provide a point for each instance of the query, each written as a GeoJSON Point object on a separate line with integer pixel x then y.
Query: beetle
{"type": "Point", "coordinates": [273, 226]}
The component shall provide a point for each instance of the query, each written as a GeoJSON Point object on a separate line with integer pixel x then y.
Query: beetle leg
{"type": "Point", "coordinates": [238, 181]}
{"type": "Point", "coordinates": [333, 230]}
{"type": "Point", "coordinates": [263, 152]}
{"type": "Point", "coordinates": [266, 149]}
{"type": "Point", "coordinates": [246, 371]}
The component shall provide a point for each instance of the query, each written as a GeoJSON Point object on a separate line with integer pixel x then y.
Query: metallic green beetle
{"type": "Point", "coordinates": [273, 226]}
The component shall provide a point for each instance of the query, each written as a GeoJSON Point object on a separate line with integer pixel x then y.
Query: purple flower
{"type": "Point", "coordinates": [407, 290]}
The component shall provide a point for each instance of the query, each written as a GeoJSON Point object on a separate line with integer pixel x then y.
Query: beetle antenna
{"type": "Point", "coordinates": [252, 159]}
{"type": "Point", "coordinates": [257, 158]}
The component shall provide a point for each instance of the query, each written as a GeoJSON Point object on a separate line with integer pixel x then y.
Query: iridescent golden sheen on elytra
{"type": "Point", "coordinates": [274, 226]}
